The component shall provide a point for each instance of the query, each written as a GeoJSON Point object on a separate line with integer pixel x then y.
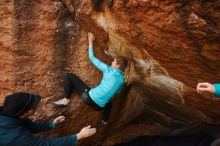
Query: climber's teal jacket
{"type": "Point", "coordinates": [16, 132]}
{"type": "Point", "coordinates": [217, 90]}
{"type": "Point", "coordinates": [111, 83]}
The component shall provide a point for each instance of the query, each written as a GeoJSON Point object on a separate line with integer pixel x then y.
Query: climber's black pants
{"type": "Point", "coordinates": [73, 82]}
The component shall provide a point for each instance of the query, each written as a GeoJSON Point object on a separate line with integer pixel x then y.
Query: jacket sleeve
{"type": "Point", "coordinates": [99, 64]}
{"type": "Point", "coordinates": [36, 127]}
{"type": "Point", "coordinates": [41, 141]}
{"type": "Point", "coordinates": [217, 90]}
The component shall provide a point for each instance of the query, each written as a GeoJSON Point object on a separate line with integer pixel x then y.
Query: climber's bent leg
{"type": "Point", "coordinates": [106, 113]}
{"type": "Point", "coordinates": [72, 82]}
{"type": "Point", "coordinates": [76, 84]}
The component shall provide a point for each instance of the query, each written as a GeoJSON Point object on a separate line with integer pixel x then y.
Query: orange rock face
{"type": "Point", "coordinates": [170, 46]}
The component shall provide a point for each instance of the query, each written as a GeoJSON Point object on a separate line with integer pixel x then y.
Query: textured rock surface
{"type": "Point", "coordinates": [170, 45]}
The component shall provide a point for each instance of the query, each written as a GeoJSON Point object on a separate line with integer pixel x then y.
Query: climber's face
{"type": "Point", "coordinates": [115, 64]}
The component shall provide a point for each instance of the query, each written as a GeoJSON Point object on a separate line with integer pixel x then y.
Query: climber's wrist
{"type": "Point", "coordinates": [78, 136]}
{"type": "Point", "coordinates": [90, 44]}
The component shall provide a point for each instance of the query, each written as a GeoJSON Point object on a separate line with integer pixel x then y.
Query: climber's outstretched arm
{"type": "Point", "coordinates": [61, 141]}
{"type": "Point", "coordinates": [36, 127]}
{"type": "Point", "coordinates": [211, 88]}
{"type": "Point", "coordinates": [99, 64]}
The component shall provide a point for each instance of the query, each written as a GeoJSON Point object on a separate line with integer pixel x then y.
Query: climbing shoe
{"type": "Point", "coordinates": [62, 102]}
{"type": "Point", "coordinates": [104, 123]}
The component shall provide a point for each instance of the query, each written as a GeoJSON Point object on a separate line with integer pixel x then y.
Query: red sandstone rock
{"type": "Point", "coordinates": [171, 46]}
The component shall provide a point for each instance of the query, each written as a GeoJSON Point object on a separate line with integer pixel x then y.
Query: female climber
{"type": "Point", "coordinates": [99, 97]}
